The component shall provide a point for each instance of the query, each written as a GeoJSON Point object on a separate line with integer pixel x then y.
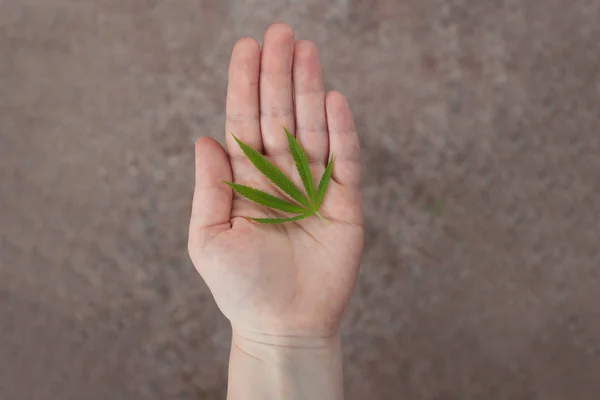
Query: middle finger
{"type": "Point", "coordinates": [276, 93]}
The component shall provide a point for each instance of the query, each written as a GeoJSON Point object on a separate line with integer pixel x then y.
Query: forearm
{"type": "Point", "coordinates": [266, 367]}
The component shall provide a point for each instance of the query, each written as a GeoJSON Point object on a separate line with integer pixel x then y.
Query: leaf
{"type": "Point", "coordinates": [265, 199]}
{"type": "Point", "coordinates": [270, 171]}
{"type": "Point", "coordinates": [280, 220]}
{"type": "Point", "coordinates": [309, 205]}
{"type": "Point", "coordinates": [324, 183]}
{"type": "Point", "coordinates": [301, 165]}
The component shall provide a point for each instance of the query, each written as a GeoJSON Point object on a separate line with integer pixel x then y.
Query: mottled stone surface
{"type": "Point", "coordinates": [480, 121]}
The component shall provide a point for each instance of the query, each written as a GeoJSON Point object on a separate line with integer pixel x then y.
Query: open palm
{"type": "Point", "coordinates": [293, 279]}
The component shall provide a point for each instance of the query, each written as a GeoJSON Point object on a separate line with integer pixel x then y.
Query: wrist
{"type": "Point", "coordinates": [289, 367]}
{"type": "Point", "coordinates": [287, 350]}
{"type": "Point", "coordinates": [286, 342]}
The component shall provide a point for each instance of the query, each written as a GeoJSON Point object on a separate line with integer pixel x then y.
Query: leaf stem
{"type": "Point", "coordinates": [325, 220]}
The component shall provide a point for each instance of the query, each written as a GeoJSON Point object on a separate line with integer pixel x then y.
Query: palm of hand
{"type": "Point", "coordinates": [293, 279]}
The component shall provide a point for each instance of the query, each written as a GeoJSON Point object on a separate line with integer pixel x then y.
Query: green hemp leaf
{"type": "Point", "coordinates": [306, 204]}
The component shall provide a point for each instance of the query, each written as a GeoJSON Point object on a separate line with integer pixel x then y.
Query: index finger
{"type": "Point", "coordinates": [242, 109]}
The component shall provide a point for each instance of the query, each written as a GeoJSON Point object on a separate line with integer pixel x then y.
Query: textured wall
{"type": "Point", "coordinates": [480, 122]}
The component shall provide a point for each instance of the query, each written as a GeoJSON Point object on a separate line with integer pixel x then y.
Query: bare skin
{"type": "Point", "coordinates": [283, 287]}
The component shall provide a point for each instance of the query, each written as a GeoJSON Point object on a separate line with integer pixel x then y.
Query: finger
{"type": "Point", "coordinates": [309, 94]}
{"type": "Point", "coordinates": [242, 109]}
{"type": "Point", "coordinates": [211, 205]}
{"type": "Point", "coordinates": [276, 99]}
{"type": "Point", "coordinates": [343, 140]}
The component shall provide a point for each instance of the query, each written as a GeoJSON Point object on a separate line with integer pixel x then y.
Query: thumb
{"type": "Point", "coordinates": [211, 205]}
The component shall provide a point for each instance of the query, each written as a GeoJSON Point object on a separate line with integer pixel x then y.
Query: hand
{"type": "Point", "coordinates": [291, 280]}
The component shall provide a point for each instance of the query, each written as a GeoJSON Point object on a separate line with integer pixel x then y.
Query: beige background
{"type": "Point", "coordinates": [480, 122]}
